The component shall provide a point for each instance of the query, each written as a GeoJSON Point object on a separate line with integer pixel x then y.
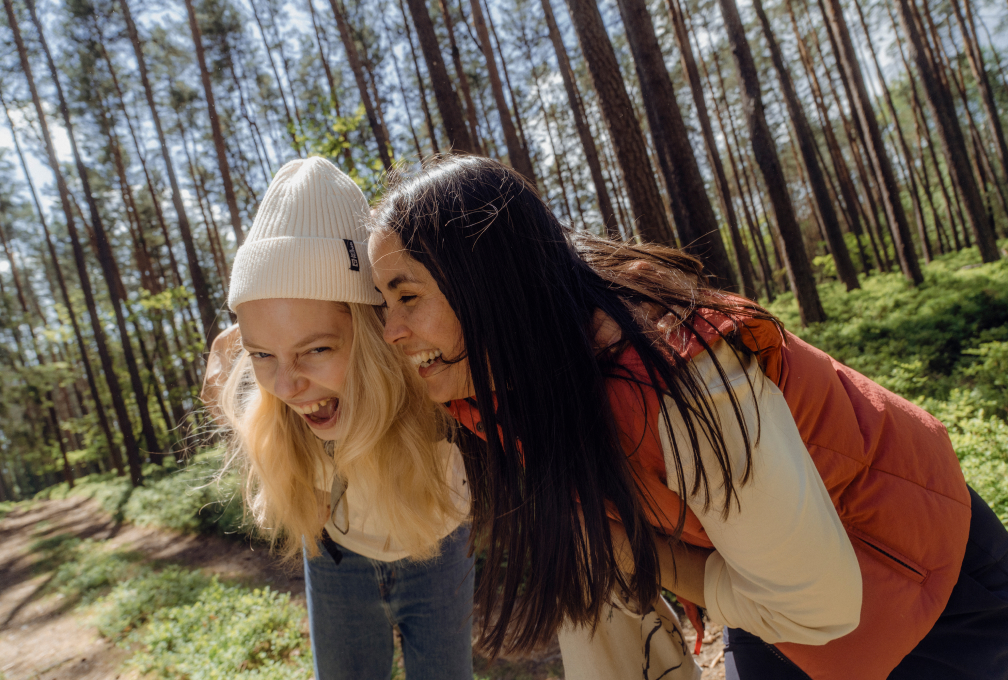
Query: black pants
{"type": "Point", "coordinates": [968, 642]}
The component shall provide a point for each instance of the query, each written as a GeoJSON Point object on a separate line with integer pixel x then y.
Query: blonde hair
{"type": "Point", "coordinates": [387, 448]}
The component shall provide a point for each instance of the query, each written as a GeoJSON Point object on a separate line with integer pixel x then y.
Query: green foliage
{"type": "Point", "coordinates": [228, 632]}
{"type": "Point", "coordinates": [131, 603]}
{"type": "Point", "coordinates": [7, 507]}
{"type": "Point", "coordinates": [189, 499]}
{"type": "Point", "coordinates": [943, 344]}
{"type": "Point", "coordinates": [90, 569]}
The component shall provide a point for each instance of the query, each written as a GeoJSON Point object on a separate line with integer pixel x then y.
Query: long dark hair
{"type": "Point", "coordinates": [525, 289]}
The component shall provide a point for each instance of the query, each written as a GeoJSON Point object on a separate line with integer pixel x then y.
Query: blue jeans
{"type": "Point", "coordinates": [353, 606]}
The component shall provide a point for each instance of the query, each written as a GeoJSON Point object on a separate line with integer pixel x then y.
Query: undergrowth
{"type": "Point", "coordinates": [942, 344]}
{"type": "Point", "coordinates": [188, 499]}
{"type": "Point", "coordinates": [182, 624]}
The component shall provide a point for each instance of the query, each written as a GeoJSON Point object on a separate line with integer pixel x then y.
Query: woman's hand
{"type": "Point", "coordinates": [222, 354]}
{"type": "Point", "coordinates": [682, 566]}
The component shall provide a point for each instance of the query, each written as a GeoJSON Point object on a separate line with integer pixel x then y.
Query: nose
{"type": "Point", "coordinates": [395, 328]}
{"type": "Point", "coordinates": [289, 382]}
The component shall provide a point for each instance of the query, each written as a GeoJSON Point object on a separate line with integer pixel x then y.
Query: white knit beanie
{"type": "Point", "coordinates": [308, 240]}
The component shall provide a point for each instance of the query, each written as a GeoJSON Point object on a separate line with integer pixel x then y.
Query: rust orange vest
{"type": "Point", "coordinates": [889, 468]}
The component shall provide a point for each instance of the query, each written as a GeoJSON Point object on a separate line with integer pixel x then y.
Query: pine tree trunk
{"type": "Point", "coordinates": [215, 128]}
{"type": "Point", "coordinates": [105, 255]}
{"type": "Point", "coordinates": [796, 259]}
{"type": "Point", "coordinates": [754, 232]}
{"type": "Point", "coordinates": [447, 99]}
{"type": "Point", "coordinates": [357, 67]}
{"type": "Point", "coordinates": [953, 144]}
{"type": "Point", "coordinates": [625, 133]}
{"type": "Point", "coordinates": [742, 257]}
{"type": "Point", "coordinates": [208, 315]}
{"type": "Point", "coordinates": [691, 209]}
{"type": "Point", "coordinates": [132, 451]}
{"type": "Point", "coordinates": [52, 418]}
{"type": "Point", "coordinates": [967, 29]}
{"type": "Point", "coordinates": [517, 154]}
{"type": "Point", "coordinates": [814, 172]}
{"type": "Point", "coordinates": [847, 189]}
{"type": "Point", "coordinates": [514, 99]}
{"type": "Point", "coordinates": [861, 104]}
{"type": "Point", "coordinates": [609, 220]}
{"type": "Point", "coordinates": [103, 423]}
{"type": "Point", "coordinates": [291, 128]}
{"type": "Point", "coordinates": [463, 79]}
{"type": "Point", "coordinates": [431, 134]}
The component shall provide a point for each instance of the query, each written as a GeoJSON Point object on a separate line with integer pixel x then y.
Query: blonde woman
{"type": "Point", "coordinates": [338, 443]}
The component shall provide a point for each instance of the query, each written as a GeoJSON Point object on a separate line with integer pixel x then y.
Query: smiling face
{"type": "Point", "coordinates": [419, 319]}
{"type": "Point", "coordinates": [300, 353]}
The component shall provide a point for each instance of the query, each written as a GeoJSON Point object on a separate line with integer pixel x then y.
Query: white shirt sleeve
{"type": "Point", "coordinates": [783, 567]}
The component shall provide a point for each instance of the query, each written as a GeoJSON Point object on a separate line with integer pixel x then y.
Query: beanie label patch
{"type": "Point", "coordinates": [351, 250]}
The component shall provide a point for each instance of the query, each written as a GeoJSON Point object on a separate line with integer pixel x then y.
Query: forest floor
{"type": "Point", "coordinates": [47, 635]}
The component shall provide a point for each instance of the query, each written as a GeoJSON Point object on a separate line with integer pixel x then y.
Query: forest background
{"type": "Point", "coordinates": [843, 163]}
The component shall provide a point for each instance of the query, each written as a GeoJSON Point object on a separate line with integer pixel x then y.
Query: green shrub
{"type": "Point", "coordinates": [87, 568]}
{"type": "Point", "coordinates": [228, 632]}
{"type": "Point", "coordinates": [190, 500]}
{"type": "Point", "coordinates": [943, 344]}
{"type": "Point", "coordinates": [131, 603]}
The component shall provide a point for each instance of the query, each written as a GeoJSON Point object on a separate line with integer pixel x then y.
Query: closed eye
{"type": "Point", "coordinates": [406, 298]}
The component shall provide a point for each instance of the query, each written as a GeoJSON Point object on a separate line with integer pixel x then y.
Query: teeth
{"type": "Point", "coordinates": [310, 408]}
{"type": "Point", "coordinates": [426, 358]}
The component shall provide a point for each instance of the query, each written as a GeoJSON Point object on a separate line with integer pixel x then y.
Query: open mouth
{"type": "Point", "coordinates": [321, 414]}
{"type": "Point", "coordinates": [428, 362]}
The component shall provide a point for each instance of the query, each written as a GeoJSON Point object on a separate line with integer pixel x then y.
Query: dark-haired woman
{"type": "Point", "coordinates": [822, 519]}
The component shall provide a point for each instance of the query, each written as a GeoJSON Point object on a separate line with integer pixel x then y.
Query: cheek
{"type": "Point", "coordinates": [337, 372]}
{"type": "Point", "coordinates": [263, 376]}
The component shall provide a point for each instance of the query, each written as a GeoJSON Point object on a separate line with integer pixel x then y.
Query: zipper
{"type": "Point", "coordinates": [899, 563]}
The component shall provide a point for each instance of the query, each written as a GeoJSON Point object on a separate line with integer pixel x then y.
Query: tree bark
{"type": "Point", "coordinates": [105, 255]}
{"type": "Point", "coordinates": [447, 99]}
{"type": "Point", "coordinates": [208, 315]}
{"type": "Point", "coordinates": [861, 103]}
{"type": "Point", "coordinates": [218, 136]}
{"type": "Point", "coordinates": [291, 128]}
{"type": "Point", "coordinates": [795, 258]}
{"type": "Point", "coordinates": [132, 451]}
{"type": "Point", "coordinates": [814, 172]}
{"type": "Point", "coordinates": [463, 79]}
{"type": "Point", "coordinates": [847, 189]}
{"type": "Point", "coordinates": [742, 257]}
{"type": "Point", "coordinates": [967, 29]}
{"type": "Point", "coordinates": [691, 209]}
{"type": "Point", "coordinates": [953, 144]}
{"type": "Point", "coordinates": [421, 86]}
{"type": "Point", "coordinates": [517, 154]}
{"type": "Point", "coordinates": [103, 423]}
{"type": "Point", "coordinates": [609, 220]}
{"type": "Point", "coordinates": [624, 132]}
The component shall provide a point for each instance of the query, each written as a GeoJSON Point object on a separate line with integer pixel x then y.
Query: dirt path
{"type": "Point", "coordinates": [43, 638]}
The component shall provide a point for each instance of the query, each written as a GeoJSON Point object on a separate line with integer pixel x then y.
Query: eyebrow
{"type": "Point", "coordinates": [400, 279]}
{"type": "Point", "coordinates": [315, 337]}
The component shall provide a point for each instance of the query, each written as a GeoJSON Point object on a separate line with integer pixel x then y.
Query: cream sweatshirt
{"type": "Point", "coordinates": [366, 536]}
{"type": "Point", "coordinates": [783, 567]}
